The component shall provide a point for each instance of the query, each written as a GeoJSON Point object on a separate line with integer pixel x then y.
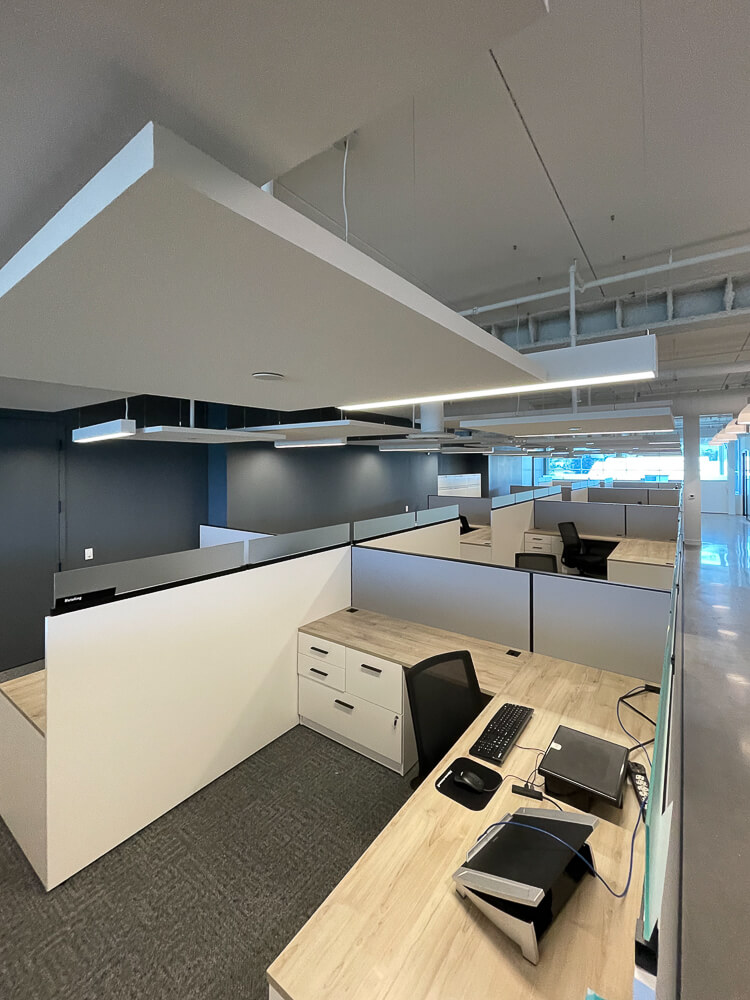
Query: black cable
{"type": "Point", "coordinates": [637, 711]}
{"type": "Point", "coordinates": [548, 799]}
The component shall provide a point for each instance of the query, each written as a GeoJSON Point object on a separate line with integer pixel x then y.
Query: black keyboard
{"type": "Point", "coordinates": [501, 733]}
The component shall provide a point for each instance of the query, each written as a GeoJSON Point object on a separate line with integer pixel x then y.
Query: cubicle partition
{"type": "Point", "coordinates": [509, 523]}
{"type": "Point", "coordinates": [572, 618]}
{"type": "Point", "coordinates": [606, 494]}
{"type": "Point", "coordinates": [153, 571]}
{"type": "Point", "coordinates": [153, 697]}
{"type": "Point", "coordinates": [211, 534]}
{"type": "Point", "coordinates": [475, 509]}
{"type": "Point", "coordinates": [656, 523]}
{"type": "Point", "coordinates": [590, 518]}
{"type": "Point", "coordinates": [617, 627]}
{"type": "Point", "coordinates": [489, 602]}
{"type": "Point", "coordinates": [435, 532]}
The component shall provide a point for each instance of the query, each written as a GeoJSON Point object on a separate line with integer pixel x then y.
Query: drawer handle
{"type": "Point", "coordinates": [344, 704]}
{"type": "Point", "coordinates": [375, 670]}
{"type": "Point", "coordinates": [314, 670]}
{"type": "Point", "coordinates": [317, 649]}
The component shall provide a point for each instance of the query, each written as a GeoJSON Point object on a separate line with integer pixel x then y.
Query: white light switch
{"type": "Point", "coordinates": [88, 553]}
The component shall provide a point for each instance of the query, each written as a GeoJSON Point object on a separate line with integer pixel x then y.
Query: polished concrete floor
{"type": "Point", "coordinates": [716, 832]}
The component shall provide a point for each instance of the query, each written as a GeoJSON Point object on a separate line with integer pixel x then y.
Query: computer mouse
{"type": "Point", "coordinates": [468, 779]}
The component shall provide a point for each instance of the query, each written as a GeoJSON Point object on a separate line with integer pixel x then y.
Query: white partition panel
{"type": "Point", "coordinates": [489, 602]}
{"type": "Point", "coordinates": [601, 624]}
{"type": "Point", "coordinates": [508, 527]}
{"type": "Point", "coordinates": [153, 571]}
{"type": "Point", "coordinates": [23, 784]}
{"type": "Point", "coordinates": [149, 699]}
{"type": "Point", "coordinates": [580, 495]}
{"type": "Point", "coordinates": [211, 534]}
{"type": "Point", "coordinates": [656, 523]}
{"type": "Point", "coordinates": [443, 540]}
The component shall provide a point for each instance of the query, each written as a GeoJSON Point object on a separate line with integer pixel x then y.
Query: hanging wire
{"type": "Point", "coordinates": [343, 190]}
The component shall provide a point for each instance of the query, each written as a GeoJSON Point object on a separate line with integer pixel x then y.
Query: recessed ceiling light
{"type": "Point", "coordinates": [269, 376]}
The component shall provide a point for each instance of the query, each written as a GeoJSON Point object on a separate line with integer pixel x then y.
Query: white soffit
{"type": "Point", "coordinates": [319, 429]}
{"type": "Point", "coordinates": [609, 357]}
{"type": "Point", "coordinates": [171, 274]}
{"type": "Point", "coordinates": [49, 397]}
{"type": "Point", "coordinates": [200, 435]}
{"type": "Point", "coordinates": [607, 421]}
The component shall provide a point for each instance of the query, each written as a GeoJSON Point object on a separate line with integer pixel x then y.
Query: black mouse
{"type": "Point", "coordinates": [468, 779]}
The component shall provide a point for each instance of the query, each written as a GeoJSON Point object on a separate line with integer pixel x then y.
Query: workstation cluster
{"type": "Point", "coordinates": [162, 674]}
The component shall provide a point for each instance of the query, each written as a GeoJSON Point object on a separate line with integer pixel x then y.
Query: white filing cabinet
{"type": "Point", "coordinates": [539, 541]}
{"type": "Point", "coordinates": [357, 699]}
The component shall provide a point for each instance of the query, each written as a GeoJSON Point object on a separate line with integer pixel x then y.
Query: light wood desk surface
{"type": "Point", "coordinates": [395, 929]}
{"type": "Point", "coordinates": [477, 536]}
{"type": "Point", "coordinates": [644, 550]}
{"type": "Point", "coordinates": [29, 695]}
{"type": "Point", "coordinates": [584, 537]}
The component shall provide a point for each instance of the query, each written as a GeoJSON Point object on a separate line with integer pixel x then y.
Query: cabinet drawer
{"type": "Point", "coordinates": [321, 649]}
{"type": "Point", "coordinates": [538, 546]}
{"type": "Point", "coordinates": [323, 673]}
{"type": "Point", "coordinates": [359, 721]}
{"type": "Point", "coordinates": [374, 679]}
{"type": "Point", "coordinates": [538, 539]}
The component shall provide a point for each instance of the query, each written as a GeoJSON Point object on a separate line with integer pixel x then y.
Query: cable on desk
{"type": "Point", "coordinates": [607, 886]}
{"type": "Point", "coordinates": [621, 700]}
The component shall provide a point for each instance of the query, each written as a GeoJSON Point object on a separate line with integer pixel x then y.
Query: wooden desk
{"type": "Point", "coordinates": [395, 928]}
{"type": "Point", "coordinates": [476, 545]}
{"type": "Point", "coordinates": [478, 536]}
{"type": "Point", "coordinates": [29, 695]}
{"type": "Point", "coordinates": [642, 563]}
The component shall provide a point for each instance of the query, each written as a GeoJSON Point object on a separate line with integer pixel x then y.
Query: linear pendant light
{"type": "Point", "coordinates": [107, 431]}
{"type": "Point", "coordinates": [508, 390]}
{"type": "Point", "coordinates": [323, 443]}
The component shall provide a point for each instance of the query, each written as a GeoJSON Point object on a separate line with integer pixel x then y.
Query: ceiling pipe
{"type": "Point", "coordinates": [573, 324]}
{"type": "Point", "coordinates": [611, 280]}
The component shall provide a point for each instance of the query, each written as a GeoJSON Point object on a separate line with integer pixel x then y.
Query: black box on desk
{"type": "Point", "coordinates": [520, 877]}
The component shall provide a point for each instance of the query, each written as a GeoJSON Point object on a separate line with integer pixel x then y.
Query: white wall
{"type": "Point", "coordinates": [508, 526]}
{"type": "Point", "coordinates": [443, 539]}
{"type": "Point", "coordinates": [150, 699]}
{"type": "Point", "coordinates": [716, 496]}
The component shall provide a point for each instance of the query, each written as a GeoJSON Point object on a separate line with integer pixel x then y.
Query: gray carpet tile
{"type": "Point", "coordinates": [198, 904]}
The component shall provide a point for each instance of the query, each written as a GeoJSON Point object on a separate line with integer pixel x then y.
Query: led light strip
{"type": "Point", "coordinates": [512, 390]}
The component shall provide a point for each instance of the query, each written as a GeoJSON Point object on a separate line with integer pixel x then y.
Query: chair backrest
{"type": "Point", "coordinates": [445, 699]}
{"type": "Point", "coordinates": [544, 561]}
{"type": "Point", "coordinates": [571, 542]}
{"type": "Point", "coordinates": [465, 526]}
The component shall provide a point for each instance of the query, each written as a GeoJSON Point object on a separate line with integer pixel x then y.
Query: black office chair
{"type": "Point", "coordinates": [543, 562]}
{"type": "Point", "coordinates": [445, 699]}
{"type": "Point", "coordinates": [465, 526]}
{"type": "Point", "coordinates": [579, 554]}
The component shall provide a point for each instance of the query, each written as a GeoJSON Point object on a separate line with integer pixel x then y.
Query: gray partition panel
{"type": "Point", "coordinates": [477, 509]}
{"type": "Point", "coordinates": [153, 571]}
{"type": "Point", "coordinates": [597, 494]}
{"type": "Point", "coordinates": [436, 515]}
{"type": "Point", "coordinates": [664, 498]}
{"type": "Point", "coordinates": [489, 602]}
{"type": "Point", "coordinates": [260, 550]}
{"type": "Point", "coordinates": [657, 523]}
{"type": "Point", "coordinates": [606, 625]}
{"type": "Point", "coordinates": [589, 518]}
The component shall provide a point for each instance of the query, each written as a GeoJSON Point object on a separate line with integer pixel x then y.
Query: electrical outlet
{"type": "Point", "coordinates": [88, 553]}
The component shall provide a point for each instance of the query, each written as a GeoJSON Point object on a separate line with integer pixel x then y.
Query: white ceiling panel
{"type": "Point", "coordinates": [649, 418]}
{"type": "Point", "coordinates": [191, 279]}
{"type": "Point", "coordinates": [49, 397]}
{"type": "Point", "coordinates": [320, 429]}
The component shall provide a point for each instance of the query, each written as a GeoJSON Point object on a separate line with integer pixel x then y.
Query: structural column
{"type": "Point", "coordinates": [691, 496]}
